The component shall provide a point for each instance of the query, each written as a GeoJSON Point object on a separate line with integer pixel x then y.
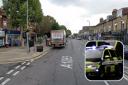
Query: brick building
{"type": "Point", "coordinates": [114, 27]}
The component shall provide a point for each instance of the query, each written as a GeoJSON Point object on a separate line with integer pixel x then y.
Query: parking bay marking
{"type": "Point", "coordinates": [6, 81]}
{"type": "Point", "coordinates": [106, 83]}
{"type": "Point", "coordinates": [66, 61]}
{"type": "Point", "coordinates": [16, 73]}
{"type": "Point", "coordinates": [9, 72]}
{"type": "Point", "coordinates": [23, 63]}
{"type": "Point", "coordinates": [22, 68]}
{"type": "Point", "coordinates": [17, 66]}
{"type": "Point", "coordinates": [1, 78]}
{"type": "Point", "coordinates": [125, 77]}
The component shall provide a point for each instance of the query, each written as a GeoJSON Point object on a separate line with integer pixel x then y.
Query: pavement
{"type": "Point", "coordinates": [61, 66]}
{"type": "Point", "coordinates": [19, 54]}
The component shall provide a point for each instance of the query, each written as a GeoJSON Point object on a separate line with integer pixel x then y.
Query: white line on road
{"type": "Point", "coordinates": [66, 61]}
{"type": "Point", "coordinates": [16, 73]}
{"type": "Point", "coordinates": [31, 60]}
{"type": "Point", "coordinates": [125, 67]}
{"type": "Point", "coordinates": [1, 78]}
{"type": "Point", "coordinates": [106, 83]}
{"type": "Point", "coordinates": [28, 63]}
{"type": "Point", "coordinates": [9, 72]}
{"type": "Point", "coordinates": [6, 81]}
{"type": "Point", "coordinates": [125, 77]}
{"type": "Point", "coordinates": [126, 72]}
{"type": "Point", "coordinates": [23, 63]}
{"type": "Point", "coordinates": [22, 68]}
{"type": "Point", "coordinates": [17, 66]}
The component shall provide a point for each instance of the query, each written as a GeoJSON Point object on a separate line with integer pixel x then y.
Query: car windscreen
{"type": "Point", "coordinates": [103, 43]}
{"type": "Point", "coordinates": [90, 44]}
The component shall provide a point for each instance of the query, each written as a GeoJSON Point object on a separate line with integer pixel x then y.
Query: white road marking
{"type": "Point", "coordinates": [66, 61]}
{"type": "Point", "coordinates": [32, 60]}
{"type": "Point", "coordinates": [125, 77]}
{"type": "Point", "coordinates": [6, 81]}
{"type": "Point", "coordinates": [16, 73]}
{"type": "Point", "coordinates": [22, 68]}
{"type": "Point", "coordinates": [9, 72]}
{"type": "Point", "coordinates": [126, 72]}
{"type": "Point", "coordinates": [1, 78]}
{"type": "Point", "coordinates": [23, 63]}
{"type": "Point", "coordinates": [106, 83]}
{"type": "Point", "coordinates": [17, 66]}
{"type": "Point", "coordinates": [125, 67]}
{"type": "Point", "coordinates": [28, 63]}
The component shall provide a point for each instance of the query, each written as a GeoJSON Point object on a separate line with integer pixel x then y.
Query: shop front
{"type": "Point", "coordinates": [2, 38]}
{"type": "Point", "coordinates": [14, 38]}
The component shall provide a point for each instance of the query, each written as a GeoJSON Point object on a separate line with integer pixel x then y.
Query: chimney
{"type": "Point", "coordinates": [101, 20]}
{"type": "Point", "coordinates": [114, 13]}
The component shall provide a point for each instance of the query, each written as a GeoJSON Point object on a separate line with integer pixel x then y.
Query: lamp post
{"type": "Point", "coordinates": [28, 49]}
{"type": "Point", "coordinates": [89, 37]}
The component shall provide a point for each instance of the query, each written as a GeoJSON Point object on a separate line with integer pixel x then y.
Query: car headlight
{"type": "Point", "coordinates": [93, 67]}
{"type": "Point", "coordinates": [94, 47]}
{"type": "Point", "coordinates": [97, 70]}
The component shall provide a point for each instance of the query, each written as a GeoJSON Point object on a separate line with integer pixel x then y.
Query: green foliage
{"type": "Point", "coordinates": [46, 25]}
{"type": "Point", "coordinates": [34, 11]}
{"type": "Point", "coordinates": [63, 27]}
{"type": "Point", "coordinates": [16, 11]}
{"type": "Point", "coordinates": [68, 32]}
{"type": "Point", "coordinates": [55, 26]}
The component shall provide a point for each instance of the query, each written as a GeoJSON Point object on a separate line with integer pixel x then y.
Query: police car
{"type": "Point", "coordinates": [93, 45]}
{"type": "Point", "coordinates": [101, 62]}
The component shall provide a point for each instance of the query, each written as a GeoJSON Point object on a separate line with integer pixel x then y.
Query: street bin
{"type": "Point", "coordinates": [39, 48]}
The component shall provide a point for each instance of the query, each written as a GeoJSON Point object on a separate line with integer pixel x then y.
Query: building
{"type": "Point", "coordinates": [114, 27]}
{"type": "Point", "coordinates": [3, 24]}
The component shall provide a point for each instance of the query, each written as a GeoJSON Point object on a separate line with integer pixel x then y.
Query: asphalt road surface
{"type": "Point", "coordinates": [61, 66]}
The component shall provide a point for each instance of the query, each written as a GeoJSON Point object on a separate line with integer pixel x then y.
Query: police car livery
{"type": "Point", "coordinates": [101, 63]}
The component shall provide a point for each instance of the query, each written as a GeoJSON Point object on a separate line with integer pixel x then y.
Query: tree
{"type": "Point", "coordinates": [55, 26]}
{"type": "Point", "coordinates": [68, 32]}
{"type": "Point", "coordinates": [47, 24]}
{"type": "Point", "coordinates": [16, 11]}
{"type": "Point", "coordinates": [34, 11]}
{"type": "Point", "coordinates": [63, 27]}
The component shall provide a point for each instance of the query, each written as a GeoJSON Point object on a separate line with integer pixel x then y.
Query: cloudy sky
{"type": "Point", "coordinates": [77, 13]}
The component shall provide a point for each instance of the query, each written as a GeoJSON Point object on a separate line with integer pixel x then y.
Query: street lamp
{"type": "Point", "coordinates": [27, 29]}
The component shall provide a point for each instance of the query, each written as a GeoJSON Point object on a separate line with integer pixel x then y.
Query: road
{"type": "Point", "coordinates": [61, 66]}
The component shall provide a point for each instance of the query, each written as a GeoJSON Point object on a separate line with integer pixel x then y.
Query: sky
{"type": "Point", "coordinates": [75, 14]}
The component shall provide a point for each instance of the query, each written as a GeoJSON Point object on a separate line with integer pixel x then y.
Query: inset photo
{"type": "Point", "coordinates": [103, 60]}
